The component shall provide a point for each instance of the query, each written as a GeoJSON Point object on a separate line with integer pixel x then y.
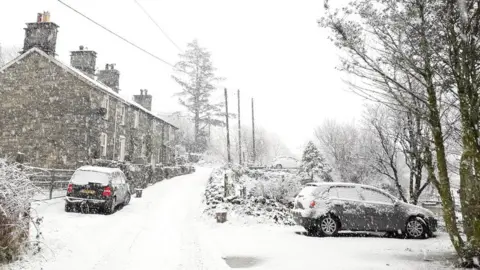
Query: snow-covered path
{"type": "Point", "coordinates": [158, 231]}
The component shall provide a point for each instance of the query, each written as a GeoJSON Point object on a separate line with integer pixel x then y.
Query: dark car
{"type": "Point", "coordinates": [97, 188]}
{"type": "Point", "coordinates": [326, 208]}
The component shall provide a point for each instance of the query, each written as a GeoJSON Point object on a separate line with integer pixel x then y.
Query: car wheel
{"type": "Point", "coordinates": [127, 198]}
{"type": "Point", "coordinates": [416, 228]}
{"type": "Point", "coordinates": [110, 206]}
{"type": "Point", "coordinates": [329, 225]}
{"type": "Point", "coordinates": [69, 207]}
{"type": "Point", "coordinates": [278, 166]}
{"type": "Point", "coordinates": [84, 208]}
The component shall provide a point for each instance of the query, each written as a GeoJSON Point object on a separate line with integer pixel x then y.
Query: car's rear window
{"type": "Point", "coordinates": [307, 190]}
{"type": "Point", "coordinates": [85, 177]}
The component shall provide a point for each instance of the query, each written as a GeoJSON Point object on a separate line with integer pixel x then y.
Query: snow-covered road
{"type": "Point", "coordinates": [287, 248]}
{"type": "Point", "coordinates": [158, 231]}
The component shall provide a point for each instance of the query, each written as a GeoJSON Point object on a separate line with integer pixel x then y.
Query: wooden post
{"type": "Point", "coordinates": [228, 129]}
{"type": "Point", "coordinates": [52, 181]}
{"type": "Point", "coordinates": [225, 184]}
{"type": "Point", "coordinates": [253, 132]}
{"type": "Point", "coordinates": [239, 131]}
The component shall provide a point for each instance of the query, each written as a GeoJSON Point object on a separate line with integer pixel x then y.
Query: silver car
{"type": "Point", "coordinates": [327, 208]}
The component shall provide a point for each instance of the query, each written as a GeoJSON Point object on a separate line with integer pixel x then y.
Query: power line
{"type": "Point", "coordinates": [115, 34]}
{"type": "Point", "coordinates": [158, 26]}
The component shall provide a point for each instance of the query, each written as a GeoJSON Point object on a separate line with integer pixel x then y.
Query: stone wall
{"type": "Point", "coordinates": [56, 120]}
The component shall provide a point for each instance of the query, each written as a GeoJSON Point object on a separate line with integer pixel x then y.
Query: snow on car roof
{"type": "Point", "coordinates": [98, 169]}
{"type": "Point", "coordinates": [328, 184]}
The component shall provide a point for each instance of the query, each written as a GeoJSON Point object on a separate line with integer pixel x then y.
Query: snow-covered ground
{"type": "Point", "coordinates": [165, 229]}
{"type": "Point", "coordinates": [158, 231]}
{"type": "Point", "coordinates": [285, 248]}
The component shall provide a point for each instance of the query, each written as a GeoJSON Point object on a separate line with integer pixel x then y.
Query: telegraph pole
{"type": "Point", "coordinates": [253, 133]}
{"type": "Point", "coordinates": [228, 130]}
{"type": "Point", "coordinates": [239, 131]}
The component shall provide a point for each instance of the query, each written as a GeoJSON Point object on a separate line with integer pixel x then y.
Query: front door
{"type": "Point", "coordinates": [348, 205]}
{"type": "Point", "coordinates": [379, 210]}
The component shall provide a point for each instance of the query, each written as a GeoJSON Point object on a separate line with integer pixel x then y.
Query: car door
{"type": "Point", "coordinates": [379, 209]}
{"type": "Point", "coordinates": [348, 206]}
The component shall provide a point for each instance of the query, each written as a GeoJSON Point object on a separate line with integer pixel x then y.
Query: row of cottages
{"type": "Point", "coordinates": [61, 115]}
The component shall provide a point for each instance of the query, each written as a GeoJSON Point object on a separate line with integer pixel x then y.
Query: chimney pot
{"type": "Point", "coordinates": [145, 92]}
{"type": "Point", "coordinates": [39, 17]}
{"type": "Point", "coordinates": [80, 47]}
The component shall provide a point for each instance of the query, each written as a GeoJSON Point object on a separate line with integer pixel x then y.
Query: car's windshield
{"type": "Point", "coordinates": [84, 177]}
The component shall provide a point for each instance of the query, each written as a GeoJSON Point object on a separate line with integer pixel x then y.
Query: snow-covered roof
{"type": "Point", "coordinates": [82, 76]}
{"type": "Point", "coordinates": [98, 169]}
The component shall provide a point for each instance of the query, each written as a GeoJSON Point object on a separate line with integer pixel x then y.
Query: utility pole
{"type": "Point", "coordinates": [253, 133]}
{"type": "Point", "coordinates": [239, 131]}
{"type": "Point", "coordinates": [228, 130]}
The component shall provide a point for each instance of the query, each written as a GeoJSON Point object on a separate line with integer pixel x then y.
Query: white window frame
{"type": "Point", "coordinates": [121, 154]}
{"type": "Point", "coordinates": [106, 105]}
{"type": "Point", "coordinates": [136, 119]}
{"type": "Point", "coordinates": [123, 112]}
{"type": "Point", "coordinates": [103, 143]}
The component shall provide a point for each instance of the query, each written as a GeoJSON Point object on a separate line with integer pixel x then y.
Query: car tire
{"type": "Point", "coordinates": [109, 206]}
{"type": "Point", "coordinates": [69, 207]}
{"type": "Point", "coordinates": [328, 225]}
{"type": "Point", "coordinates": [416, 228]}
{"type": "Point", "coordinates": [127, 198]}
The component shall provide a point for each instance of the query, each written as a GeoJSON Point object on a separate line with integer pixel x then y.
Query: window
{"type": "Point", "coordinates": [105, 105]}
{"type": "Point", "coordinates": [122, 114]}
{"type": "Point", "coordinates": [144, 146]}
{"type": "Point", "coordinates": [121, 156]}
{"type": "Point", "coordinates": [103, 143]}
{"type": "Point", "coordinates": [136, 119]}
{"type": "Point", "coordinates": [372, 195]}
{"type": "Point", "coordinates": [346, 192]}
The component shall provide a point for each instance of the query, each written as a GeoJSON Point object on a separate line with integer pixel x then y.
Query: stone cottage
{"type": "Point", "coordinates": [60, 116]}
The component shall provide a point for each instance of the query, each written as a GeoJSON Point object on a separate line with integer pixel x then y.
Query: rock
{"type": "Point", "coordinates": [269, 209]}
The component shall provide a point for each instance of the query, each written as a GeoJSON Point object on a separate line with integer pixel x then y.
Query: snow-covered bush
{"type": "Point", "coordinates": [314, 164]}
{"type": "Point", "coordinates": [16, 192]}
{"type": "Point", "coordinates": [262, 198]}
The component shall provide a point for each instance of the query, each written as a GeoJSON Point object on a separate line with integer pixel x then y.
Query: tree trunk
{"type": "Point", "coordinates": [443, 183]}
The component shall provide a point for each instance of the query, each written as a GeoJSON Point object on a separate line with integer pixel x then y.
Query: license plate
{"type": "Point", "coordinates": [87, 191]}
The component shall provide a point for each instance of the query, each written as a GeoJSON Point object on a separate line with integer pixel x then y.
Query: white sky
{"type": "Point", "coordinates": [270, 50]}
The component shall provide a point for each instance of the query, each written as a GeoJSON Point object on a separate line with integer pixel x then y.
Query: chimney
{"type": "Point", "coordinates": [41, 34]}
{"type": "Point", "coordinates": [144, 99]}
{"type": "Point", "coordinates": [110, 77]}
{"type": "Point", "coordinates": [84, 60]}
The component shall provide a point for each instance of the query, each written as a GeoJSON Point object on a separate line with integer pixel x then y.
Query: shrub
{"type": "Point", "coordinates": [16, 192]}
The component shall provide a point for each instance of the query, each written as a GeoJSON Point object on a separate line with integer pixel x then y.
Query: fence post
{"type": "Point", "coordinates": [51, 184]}
{"type": "Point", "coordinates": [225, 183]}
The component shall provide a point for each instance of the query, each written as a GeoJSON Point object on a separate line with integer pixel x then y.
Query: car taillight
{"type": "Point", "coordinates": [107, 192]}
{"type": "Point", "coordinates": [312, 204]}
{"type": "Point", "coordinates": [70, 188]}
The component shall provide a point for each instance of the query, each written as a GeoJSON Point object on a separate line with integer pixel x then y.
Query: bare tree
{"type": "Point", "coordinates": [345, 148]}
{"type": "Point", "coordinates": [7, 54]}
{"type": "Point", "coordinates": [423, 52]}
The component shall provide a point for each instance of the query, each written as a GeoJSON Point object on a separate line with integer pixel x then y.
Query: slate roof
{"type": "Point", "coordinates": [83, 77]}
